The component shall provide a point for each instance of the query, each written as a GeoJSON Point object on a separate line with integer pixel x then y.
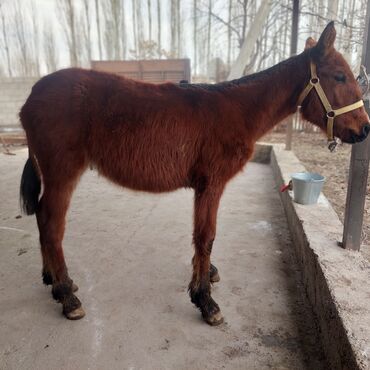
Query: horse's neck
{"type": "Point", "coordinates": [272, 95]}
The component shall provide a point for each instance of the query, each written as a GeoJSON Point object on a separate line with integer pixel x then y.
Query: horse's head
{"type": "Point", "coordinates": [341, 89]}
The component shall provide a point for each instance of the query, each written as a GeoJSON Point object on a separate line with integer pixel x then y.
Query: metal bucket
{"type": "Point", "coordinates": [307, 187]}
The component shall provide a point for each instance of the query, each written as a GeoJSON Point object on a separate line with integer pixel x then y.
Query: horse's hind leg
{"type": "Point", "coordinates": [205, 214]}
{"type": "Point", "coordinates": [47, 277]}
{"type": "Point", "coordinates": [51, 222]}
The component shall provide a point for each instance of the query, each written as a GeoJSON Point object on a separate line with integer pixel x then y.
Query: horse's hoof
{"type": "Point", "coordinates": [76, 314]}
{"type": "Point", "coordinates": [215, 319]}
{"type": "Point", "coordinates": [74, 287]}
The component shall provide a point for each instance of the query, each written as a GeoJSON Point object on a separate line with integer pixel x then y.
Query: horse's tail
{"type": "Point", "coordinates": [30, 188]}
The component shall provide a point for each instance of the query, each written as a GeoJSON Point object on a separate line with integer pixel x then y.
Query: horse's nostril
{"type": "Point", "coordinates": [366, 129]}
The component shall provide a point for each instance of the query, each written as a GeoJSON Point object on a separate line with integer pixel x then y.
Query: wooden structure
{"type": "Point", "coordinates": [293, 51]}
{"type": "Point", "coordinates": [155, 71]}
{"type": "Point", "coordinates": [359, 167]}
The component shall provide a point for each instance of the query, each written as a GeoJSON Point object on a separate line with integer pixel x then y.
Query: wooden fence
{"type": "Point", "coordinates": [155, 71]}
{"type": "Point", "coordinates": [299, 125]}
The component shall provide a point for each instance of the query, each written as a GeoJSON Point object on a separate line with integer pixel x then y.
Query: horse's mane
{"type": "Point", "coordinates": [252, 78]}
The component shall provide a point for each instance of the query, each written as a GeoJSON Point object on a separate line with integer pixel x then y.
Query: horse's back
{"type": "Point", "coordinates": [138, 135]}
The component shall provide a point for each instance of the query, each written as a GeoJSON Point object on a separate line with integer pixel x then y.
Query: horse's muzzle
{"type": "Point", "coordinates": [358, 138]}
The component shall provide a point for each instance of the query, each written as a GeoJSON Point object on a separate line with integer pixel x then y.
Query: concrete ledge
{"type": "Point", "coordinates": [337, 281]}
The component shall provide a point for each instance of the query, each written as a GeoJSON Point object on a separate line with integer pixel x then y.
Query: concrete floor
{"type": "Point", "coordinates": [130, 255]}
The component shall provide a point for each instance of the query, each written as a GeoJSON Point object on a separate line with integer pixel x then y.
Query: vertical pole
{"type": "Point", "coordinates": [359, 167]}
{"type": "Point", "coordinates": [293, 51]}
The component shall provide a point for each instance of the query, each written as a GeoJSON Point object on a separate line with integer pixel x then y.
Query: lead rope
{"type": "Point", "coordinates": [330, 112]}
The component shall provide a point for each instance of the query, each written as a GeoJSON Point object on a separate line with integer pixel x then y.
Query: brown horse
{"type": "Point", "coordinates": [159, 138]}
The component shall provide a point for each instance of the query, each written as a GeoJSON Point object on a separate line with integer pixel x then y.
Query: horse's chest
{"type": "Point", "coordinates": [234, 159]}
{"type": "Point", "coordinates": [236, 154]}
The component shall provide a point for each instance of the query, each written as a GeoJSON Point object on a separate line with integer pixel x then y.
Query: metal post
{"type": "Point", "coordinates": [293, 51]}
{"type": "Point", "coordinates": [359, 167]}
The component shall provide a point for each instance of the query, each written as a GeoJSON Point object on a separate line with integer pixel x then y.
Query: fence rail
{"type": "Point", "coordinates": [299, 125]}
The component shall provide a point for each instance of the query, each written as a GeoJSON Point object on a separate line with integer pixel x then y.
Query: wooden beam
{"type": "Point", "coordinates": [293, 51]}
{"type": "Point", "coordinates": [359, 168]}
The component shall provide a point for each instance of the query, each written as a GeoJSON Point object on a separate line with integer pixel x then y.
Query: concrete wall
{"type": "Point", "coordinates": [13, 94]}
{"type": "Point", "coordinates": [336, 280]}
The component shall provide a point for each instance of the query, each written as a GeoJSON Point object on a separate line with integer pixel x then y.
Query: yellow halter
{"type": "Point", "coordinates": [330, 112]}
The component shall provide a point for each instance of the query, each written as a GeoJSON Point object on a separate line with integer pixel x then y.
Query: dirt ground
{"type": "Point", "coordinates": [130, 255]}
{"type": "Point", "coordinates": [311, 149]}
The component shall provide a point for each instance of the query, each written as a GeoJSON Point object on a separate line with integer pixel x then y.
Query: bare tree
{"type": "Point", "coordinates": [350, 23]}
{"type": "Point", "coordinates": [134, 22]}
{"type": "Point", "coordinates": [68, 16]}
{"type": "Point", "coordinates": [5, 38]}
{"type": "Point", "coordinates": [123, 30]}
{"type": "Point", "coordinates": [159, 41]}
{"type": "Point", "coordinates": [229, 34]}
{"type": "Point", "coordinates": [107, 40]}
{"type": "Point", "coordinates": [21, 40]}
{"type": "Point", "coordinates": [97, 15]}
{"type": "Point", "coordinates": [112, 16]}
{"type": "Point", "coordinates": [209, 28]}
{"type": "Point", "coordinates": [49, 46]}
{"type": "Point", "coordinates": [249, 43]}
{"type": "Point", "coordinates": [174, 46]}
{"type": "Point", "coordinates": [219, 29]}
{"type": "Point", "coordinates": [149, 19]}
{"type": "Point", "coordinates": [178, 33]}
{"type": "Point", "coordinates": [139, 24]}
{"type": "Point", "coordinates": [332, 9]}
{"type": "Point", "coordinates": [87, 41]}
{"type": "Point", "coordinates": [35, 39]}
{"type": "Point", "coordinates": [195, 18]}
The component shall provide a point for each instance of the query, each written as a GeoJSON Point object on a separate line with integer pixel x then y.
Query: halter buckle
{"type": "Point", "coordinates": [330, 114]}
{"type": "Point", "coordinates": [314, 80]}
{"type": "Point", "coordinates": [332, 145]}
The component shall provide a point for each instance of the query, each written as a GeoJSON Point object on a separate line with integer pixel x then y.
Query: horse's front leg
{"type": "Point", "coordinates": [205, 214]}
{"type": "Point", "coordinates": [214, 276]}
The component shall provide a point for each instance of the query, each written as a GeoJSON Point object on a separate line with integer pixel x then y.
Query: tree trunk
{"type": "Point", "coordinates": [229, 35]}
{"type": "Point", "coordinates": [195, 37]}
{"type": "Point", "coordinates": [134, 28]}
{"type": "Point", "coordinates": [123, 30]}
{"type": "Point", "coordinates": [51, 58]}
{"type": "Point", "coordinates": [6, 41]}
{"type": "Point", "coordinates": [250, 41]}
{"type": "Point", "coordinates": [209, 29]}
{"type": "Point", "coordinates": [88, 41]}
{"type": "Point", "coordinates": [140, 28]}
{"type": "Point", "coordinates": [332, 10]}
{"type": "Point", "coordinates": [173, 46]}
{"type": "Point", "coordinates": [67, 18]}
{"type": "Point", "coordinates": [150, 20]}
{"type": "Point", "coordinates": [178, 17]}
{"type": "Point", "coordinates": [97, 14]}
{"type": "Point", "coordinates": [20, 36]}
{"type": "Point", "coordinates": [71, 15]}
{"type": "Point", "coordinates": [245, 15]}
{"type": "Point", "coordinates": [36, 40]}
{"type": "Point", "coordinates": [159, 28]}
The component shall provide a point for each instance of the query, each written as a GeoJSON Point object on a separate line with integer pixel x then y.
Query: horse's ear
{"type": "Point", "coordinates": [326, 40]}
{"type": "Point", "coordinates": [310, 43]}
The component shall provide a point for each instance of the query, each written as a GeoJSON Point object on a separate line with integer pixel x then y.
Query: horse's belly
{"type": "Point", "coordinates": [150, 174]}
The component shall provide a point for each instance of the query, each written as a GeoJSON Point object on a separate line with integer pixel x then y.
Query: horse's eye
{"type": "Point", "coordinates": [340, 77]}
